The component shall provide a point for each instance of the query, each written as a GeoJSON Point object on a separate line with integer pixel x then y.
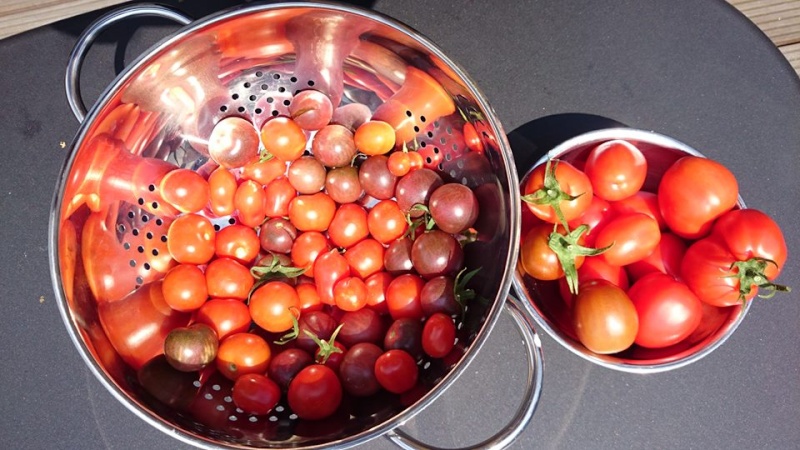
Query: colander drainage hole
{"type": "Point", "coordinates": [140, 249]}
{"type": "Point", "coordinates": [135, 231]}
{"type": "Point", "coordinates": [223, 108]}
{"type": "Point", "coordinates": [235, 96]}
{"type": "Point", "coordinates": [246, 85]}
{"type": "Point", "coordinates": [132, 263]}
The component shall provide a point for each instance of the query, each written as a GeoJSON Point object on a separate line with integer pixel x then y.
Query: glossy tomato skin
{"type": "Point", "coordinates": [225, 316]}
{"type": "Point", "coordinates": [438, 335]}
{"type": "Point", "coordinates": [348, 226]}
{"type": "Point", "coordinates": [630, 238]}
{"type": "Point", "coordinates": [668, 311]}
{"type": "Point", "coordinates": [279, 193]}
{"type": "Point", "coordinates": [604, 317]}
{"type": "Point", "coordinates": [243, 353]}
{"type": "Point", "coordinates": [706, 269]}
{"type": "Point", "coordinates": [693, 192]}
{"type": "Point", "coordinates": [254, 393]}
{"type": "Point", "coordinates": [191, 239]}
{"type": "Point", "coordinates": [571, 180]}
{"type": "Point", "coordinates": [350, 294]}
{"type": "Point", "coordinates": [403, 297]}
{"type": "Point", "coordinates": [329, 268]}
{"type": "Point", "coordinates": [617, 170]}
{"type": "Point", "coordinates": [749, 233]}
{"type": "Point", "coordinates": [239, 242]}
{"type": "Point", "coordinates": [227, 278]}
{"type": "Point", "coordinates": [538, 259]}
{"type": "Point", "coordinates": [222, 187]}
{"type": "Point", "coordinates": [357, 370]}
{"type": "Point", "coordinates": [250, 202]}
{"type": "Point", "coordinates": [263, 172]}
{"type": "Point", "coordinates": [365, 258]}
{"type": "Point", "coordinates": [315, 392]}
{"type": "Point", "coordinates": [312, 212]}
{"type": "Point", "coordinates": [596, 216]}
{"type": "Point", "coordinates": [396, 371]}
{"type": "Point", "coordinates": [283, 138]}
{"type": "Point", "coordinates": [595, 268]}
{"type": "Point", "coordinates": [666, 258]}
{"type": "Point", "coordinates": [307, 248]}
{"type": "Point", "coordinates": [386, 222]}
{"type": "Point", "coordinates": [184, 288]}
{"type": "Point", "coordinates": [185, 189]}
{"type": "Point", "coordinates": [274, 305]}
{"type": "Point", "coordinates": [641, 202]}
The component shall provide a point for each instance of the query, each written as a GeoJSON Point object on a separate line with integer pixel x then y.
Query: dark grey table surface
{"type": "Point", "coordinates": [697, 71]}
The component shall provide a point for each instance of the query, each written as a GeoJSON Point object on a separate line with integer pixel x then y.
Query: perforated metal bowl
{"type": "Point", "coordinates": [108, 222]}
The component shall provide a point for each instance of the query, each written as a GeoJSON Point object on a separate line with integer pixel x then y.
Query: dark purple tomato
{"type": "Point", "coordinates": [311, 109]}
{"type": "Point", "coordinates": [333, 146]}
{"type": "Point", "coordinates": [318, 323]}
{"type": "Point", "coordinates": [307, 175]}
{"type": "Point", "coordinates": [364, 325]}
{"type": "Point", "coordinates": [416, 188]}
{"type": "Point", "coordinates": [357, 372]}
{"type": "Point", "coordinates": [438, 295]}
{"type": "Point", "coordinates": [397, 258]}
{"type": "Point", "coordinates": [191, 348]}
{"type": "Point", "coordinates": [453, 207]}
{"type": "Point", "coordinates": [277, 235]}
{"type": "Point", "coordinates": [405, 334]}
{"type": "Point", "coordinates": [376, 179]}
{"type": "Point", "coordinates": [436, 253]}
{"type": "Point", "coordinates": [343, 186]}
{"type": "Point", "coordinates": [285, 365]}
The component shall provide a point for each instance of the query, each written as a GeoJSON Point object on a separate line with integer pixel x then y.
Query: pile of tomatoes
{"type": "Point", "coordinates": [312, 259]}
{"type": "Point", "coordinates": [639, 268]}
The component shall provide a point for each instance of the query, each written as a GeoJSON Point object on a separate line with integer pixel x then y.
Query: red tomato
{"type": "Point", "coordinates": [349, 225]}
{"type": "Point", "coordinates": [184, 287]}
{"type": "Point", "coordinates": [280, 193]}
{"type": "Point", "coordinates": [185, 189]}
{"type": "Point", "coordinates": [595, 268]}
{"type": "Point", "coordinates": [416, 161]}
{"type": "Point", "coordinates": [386, 221]}
{"type": "Point", "coordinates": [225, 316]}
{"type": "Point", "coordinates": [377, 285]}
{"type": "Point", "coordinates": [641, 202]}
{"type": "Point", "coordinates": [239, 242]}
{"type": "Point", "coordinates": [283, 138]}
{"type": "Point", "coordinates": [254, 393]}
{"type": "Point", "coordinates": [471, 138]}
{"type": "Point", "coordinates": [226, 278]}
{"type": "Point", "coordinates": [374, 137]}
{"type": "Point", "coordinates": [568, 181]}
{"type": "Point", "coordinates": [666, 258]}
{"type": "Point", "coordinates": [596, 216]}
{"type": "Point", "coordinates": [438, 335]}
{"type": "Point", "coordinates": [191, 238]}
{"type": "Point", "coordinates": [312, 212]}
{"type": "Point", "coordinates": [250, 202]}
{"type": "Point", "coordinates": [604, 317]}
{"type": "Point", "coordinates": [745, 251]}
{"type": "Point", "coordinates": [222, 188]}
{"type": "Point", "coordinates": [403, 297]}
{"type": "Point", "coordinates": [329, 268]}
{"type": "Point", "coordinates": [617, 170]}
{"type": "Point", "coordinates": [396, 371]}
{"type": "Point", "coordinates": [365, 258]}
{"type": "Point", "coordinates": [668, 311]}
{"type": "Point", "coordinates": [243, 353]}
{"type": "Point", "coordinates": [399, 163]}
{"type": "Point", "coordinates": [350, 294]}
{"type": "Point", "coordinates": [274, 306]}
{"type": "Point", "coordinates": [632, 237]}
{"type": "Point", "coordinates": [308, 296]}
{"type": "Point", "coordinates": [264, 171]}
{"type": "Point", "coordinates": [315, 392]}
{"type": "Point", "coordinates": [306, 248]}
{"type": "Point", "coordinates": [693, 192]}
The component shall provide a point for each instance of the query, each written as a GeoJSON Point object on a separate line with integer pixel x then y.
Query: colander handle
{"type": "Point", "coordinates": [523, 318]}
{"type": "Point", "coordinates": [87, 38]}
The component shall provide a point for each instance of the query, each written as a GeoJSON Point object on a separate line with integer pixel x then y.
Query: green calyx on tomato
{"type": "Point", "coordinates": [293, 333]}
{"type": "Point", "coordinates": [752, 273]}
{"type": "Point", "coordinates": [567, 248]}
{"type": "Point", "coordinates": [274, 270]}
{"type": "Point", "coordinates": [425, 220]}
{"type": "Point", "coordinates": [551, 193]}
{"type": "Point", "coordinates": [326, 347]}
{"type": "Point", "coordinates": [462, 293]}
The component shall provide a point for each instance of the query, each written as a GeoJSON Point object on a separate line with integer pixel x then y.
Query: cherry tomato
{"type": "Point", "coordinates": [185, 189]}
{"type": "Point", "coordinates": [374, 137]}
{"type": "Point", "coordinates": [264, 171]}
{"type": "Point", "coordinates": [597, 215]}
{"type": "Point", "coordinates": [364, 325]}
{"type": "Point", "coordinates": [666, 258]}
{"type": "Point", "coordinates": [570, 181]}
{"type": "Point", "coordinates": [285, 365]}
{"type": "Point", "coordinates": [631, 238]}
{"type": "Point", "coordinates": [308, 297]}
{"type": "Point", "coordinates": [377, 285]}
{"type": "Point", "coordinates": [350, 294]}
{"type": "Point", "coordinates": [357, 370]}
{"type": "Point", "coordinates": [604, 317]}
{"type": "Point", "coordinates": [416, 161]}
{"type": "Point", "coordinates": [365, 258]}
{"type": "Point", "coordinates": [399, 163]}
{"type": "Point", "coordinates": [315, 392]}
{"type": "Point", "coordinates": [227, 278]}
{"type": "Point", "coordinates": [283, 138]}
{"type": "Point", "coordinates": [306, 248]}
{"type": "Point", "coordinates": [668, 311]}
{"type": "Point", "coordinates": [250, 202]}
{"type": "Point", "coordinates": [312, 212]}
{"type": "Point", "coordinates": [254, 393]}
{"type": "Point", "coordinates": [274, 306]}
{"type": "Point", "coordinates": [403, 297]}
{"type": "Point", "coordinates": [222, 188]}
{"type": "Point", "coordinates": [538, 259]}
{"type": "Point", "coordinates": [386, 221]}
{"type": "Point", "coordinates": [693, 192]}
{"type": "Point", "coordinates": [617, 170]}
{"type": "Point", "coordinates": [184, 288]}
{"type": "Point", "coordinates": [226, 316]}
{"type": "Point", "coordinates": [243, 353]}
{"type": "Point", "coordinates": [641, 202]}
{"type": "Point", "coordinates": [238, 242]}
{"type": "Point", "coordinates": [280, 194]}
{"type": "Point", "coordinates": [396, 371]}
{"type": "Point", "coordinates": [329, 268]}
{"type": "Point", "coordinates": [191, 238]}
{"type": "Point", "coordinates": [348, 226]}
{"type": "Point", "coordinates": [595, 268]}
{"type": "Point", "coordinates": [233, 142]}
{"type": "Point", "coordinates": [438, 335]}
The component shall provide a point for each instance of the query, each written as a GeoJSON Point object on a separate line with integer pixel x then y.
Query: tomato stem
{"type": "Point", "coordinates": [551, 193]}
{"type": "Point", "coordinates": [751, 273]}
{"type": "Point", "coordinates": [326, 348]}
{"type": "Point", "coordinates": [567, 248]}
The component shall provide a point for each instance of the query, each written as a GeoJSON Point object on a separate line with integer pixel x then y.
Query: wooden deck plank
{"type": "Point", "coordinates": [17, 16]}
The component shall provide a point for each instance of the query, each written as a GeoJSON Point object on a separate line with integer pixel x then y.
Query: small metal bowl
{"type": "Point", "coordinates": [553, 315]}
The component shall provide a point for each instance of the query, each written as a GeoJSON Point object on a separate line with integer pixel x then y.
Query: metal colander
{"type": "Point", "coordinates": [109, 223]}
